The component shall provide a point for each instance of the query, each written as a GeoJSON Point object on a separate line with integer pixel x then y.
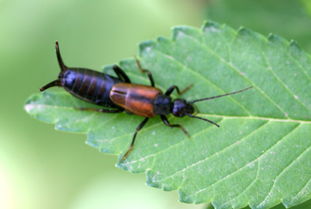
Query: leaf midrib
{"type": "Point", "coordinates": [290, 120]}
{"type": "Point", "coordinates": [285, 120]}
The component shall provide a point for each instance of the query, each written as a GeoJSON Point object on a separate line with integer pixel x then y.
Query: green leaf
{"type": "Point", "coordinates": [261, 154]}
{"type": "Point", "coordinates": [285, 17]}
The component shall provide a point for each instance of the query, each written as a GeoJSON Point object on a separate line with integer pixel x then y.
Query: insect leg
{"type": "Point", "coordinates": [138, 128]}
{"type": "Point", "coordinates": [167, 123]}
{"type": "Point", "coordinates": [121, 74]}
{"type": "Point", "coordinates": [172, 88]}
{"type": "Point", "coordinates": [149, 74]}
{"type": "Point", "coordinates": [101, 110]}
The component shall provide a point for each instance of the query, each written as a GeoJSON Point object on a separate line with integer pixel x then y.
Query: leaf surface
{"type": "Point", "coordinates": [261, 154]}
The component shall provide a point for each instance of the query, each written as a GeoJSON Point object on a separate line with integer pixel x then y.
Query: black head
{"type": "Point", "coordinates": [63, 68]}
{"type": "Point", "coordinates": [181, 108]}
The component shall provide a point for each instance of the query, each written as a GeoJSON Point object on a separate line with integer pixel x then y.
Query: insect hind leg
{"type": "Point", "coordinates": [121, 74]}
{"type": "Point", "coordinates": [149, 74]}
{"type": "Point", "coordinates": [138, 128]}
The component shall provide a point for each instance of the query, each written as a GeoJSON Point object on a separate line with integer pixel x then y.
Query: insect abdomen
{"type": "Point", "coordinates": [89, 85]}
{"type": "Point", "coordinates": [137, 99]}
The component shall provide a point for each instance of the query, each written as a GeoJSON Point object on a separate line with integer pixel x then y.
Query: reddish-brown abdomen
{"type": "Point", "coordinates": [137, 99]}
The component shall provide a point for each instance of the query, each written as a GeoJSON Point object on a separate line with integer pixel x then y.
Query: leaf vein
{"type": "Point", "coordinates": [256, 159]}
{"type": "Point", "coordinates": [199, 75]}
{"type": "Point", "coordinates": [302, 191]}
{"type": "Point", "coordinates": [238, 72]}
{"type": "Point", "coordinates": [218, 152]}
{"type": "Point", "coordinates": [281, 173]}
{"type": "Point", "coordinates": [172, 146]}
{"type": "Point", "coordinates": [251, 183]}
{"type": "Point", "coordinates": [270, 69]}
{"type": "Point", "coordinates": [301, 67]}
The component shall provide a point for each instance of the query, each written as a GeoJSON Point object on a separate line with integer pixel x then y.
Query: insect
{"type": "Point", "coordinates": [118, 94]}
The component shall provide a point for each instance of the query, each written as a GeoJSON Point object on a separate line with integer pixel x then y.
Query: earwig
{"type": "Point", "coordinates": [116, 94]}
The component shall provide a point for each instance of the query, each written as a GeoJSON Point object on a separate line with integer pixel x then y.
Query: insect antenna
{"type": "Point", "coordinates": [62, 66]}
{"type": "Point", "coordinates": [214, 97]}
{"type": "Point", "coordinates": [212, 122]}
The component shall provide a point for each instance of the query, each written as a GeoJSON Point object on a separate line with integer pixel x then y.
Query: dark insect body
{"type": "Point", "coordinates": [119, 94]}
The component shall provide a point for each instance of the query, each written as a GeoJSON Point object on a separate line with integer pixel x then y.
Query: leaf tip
{"type": "Point", "coordinates": [128, 64]}
{"type": "Point", "coordinates": [162, 40]}
{"type": "Point", "coordinates": [272, 37]}
{"type": "Point", "coordinates": [28, 108]}
{"type": "Point", "coordinates": [242, 31]}
{"type": "Point", "coordinates": [150, 181]}
{"type": "Point", "coordinates": [29, 105]}
{"type": "Point", "coordinates": [184, 197]}
{"type": "Point", "coordinates": [211, 27]}
{"type": "Point", "coordinates": [275, 39]}
{"type": "Point", "coordinates": [61, 126]}
{"type": "Point", "coordinates": [145, 47]}
{"type": "Point", "coordinates": [90, 141]}
{"type": "Point", "coordinates": [125, 164]}
{"type": "Point", "coordinates": [293, 44]}
{"type": "Point", "coordinates": [107, 68]}
{"type": "Point", "coordinates": [122, 164]}
{"type": "Point", "coordinates": [179, 32]}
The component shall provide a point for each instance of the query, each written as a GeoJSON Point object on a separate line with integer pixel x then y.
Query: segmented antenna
{"type": "Point", "coordinates": [214, 97]}
{"type": "Point", "coordinates": [197, 117]}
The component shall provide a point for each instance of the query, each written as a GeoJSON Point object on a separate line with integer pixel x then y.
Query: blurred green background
{"type": "Point", "coordinates": [44, 168]}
